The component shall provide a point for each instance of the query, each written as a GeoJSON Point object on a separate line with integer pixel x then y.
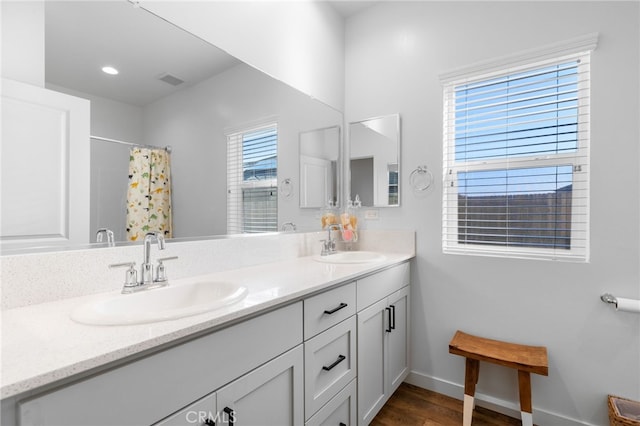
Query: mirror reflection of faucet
{"type": "Point", "coordinates": [147, 280]}
{"type": "Point", "coordinates": [110, 236]}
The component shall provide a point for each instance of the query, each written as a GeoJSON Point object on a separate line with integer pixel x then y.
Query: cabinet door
{"type": "Point", "coordinates": [200, 413]}
{"type": "Point", "coordinates": [398, 339]}
{"type": "Point", "coordinates": [269, 395]}
{"type": "Point", "coordinates": [315, 181]}
{"type": "Point", "coordinates": [372, 353]}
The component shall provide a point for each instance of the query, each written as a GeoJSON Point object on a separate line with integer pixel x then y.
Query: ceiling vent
{"type": "Point", "coordinates": [170, 79]}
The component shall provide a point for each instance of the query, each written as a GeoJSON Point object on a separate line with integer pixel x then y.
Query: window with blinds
{"type": "Point", "coordinates": [252, 166]}
{"type": "Point", "coordinates": [516, 161]}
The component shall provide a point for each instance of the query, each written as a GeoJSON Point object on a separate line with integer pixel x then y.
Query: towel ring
{"type": "Point", "coordinates": [421, 178]}
{"type": "Point", "coordinates": [286, 188]}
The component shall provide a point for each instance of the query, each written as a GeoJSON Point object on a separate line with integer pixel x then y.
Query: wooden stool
{"type": "Point", "coordinates": [525, 359]}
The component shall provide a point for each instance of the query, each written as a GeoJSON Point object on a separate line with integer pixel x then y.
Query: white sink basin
{"type": "Point", "coordinates": [160, 304]}
{"type": "Point", "coordinates": [351, 257]}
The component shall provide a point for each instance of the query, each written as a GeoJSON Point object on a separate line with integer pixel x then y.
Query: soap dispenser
{"type": "Point", "coordinates": [328, 215]}
{"type": "Point", "coordinates": [349, 222]}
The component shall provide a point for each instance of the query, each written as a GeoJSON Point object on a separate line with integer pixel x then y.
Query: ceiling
{"type": "Point", "coordinates": [83, 36]}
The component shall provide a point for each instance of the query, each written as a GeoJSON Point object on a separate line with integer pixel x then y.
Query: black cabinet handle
{"type": "Point", "coordinates": [342, 424]}
{"type": "Point", "coordinates": [338, 361]}
{"type": "Point", "coordinates": [209, 422]}
{"type": "Point", "coordinates": [392, 325]}
{"type": "Point", "coordinates": [231, 414]}
{"type": "Point", "coordinates": [334, 310]}
{"type": "Point", "coordinates": [388, 309]}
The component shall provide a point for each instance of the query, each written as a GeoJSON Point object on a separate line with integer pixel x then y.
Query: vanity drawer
{"type": "Point", "coordinates": [379, 285]}
{"type": "Point", "coordinates": [329, 364]}
{"type": "Point", "coordinates": [341, 410]}
{"type": "Point", "coordinates": [328, 309]}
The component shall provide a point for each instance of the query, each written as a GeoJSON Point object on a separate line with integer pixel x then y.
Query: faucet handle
{"type": "Point", "coordinates": [131, 279]}
{"type": "Point", "coordinates": [162, 259]}
{"type": "Point", "coordinates": [161, 273]}
{"type": "Point", "coordinates": [326, 247]}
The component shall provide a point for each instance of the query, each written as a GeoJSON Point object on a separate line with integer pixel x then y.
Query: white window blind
{"type": "Point", "coordinates": [516, 161]}
{"type": "Point", "coordinates": [252, 164]}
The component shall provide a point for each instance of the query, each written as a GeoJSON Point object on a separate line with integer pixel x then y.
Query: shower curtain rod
{"type": "Point", "coordinates": [100, 138]}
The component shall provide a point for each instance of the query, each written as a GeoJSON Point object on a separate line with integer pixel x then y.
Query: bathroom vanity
{"type": "Point", "coordinates": [312, 342]}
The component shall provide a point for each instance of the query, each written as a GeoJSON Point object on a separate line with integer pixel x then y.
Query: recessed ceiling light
{"type": "Point", "coordinates": [110, 70]}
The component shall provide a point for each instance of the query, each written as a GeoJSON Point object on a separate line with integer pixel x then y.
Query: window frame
{"type": "Point", "coordinates": [235, 172]}
{"type": "Point", "coordinates": [579, 160]}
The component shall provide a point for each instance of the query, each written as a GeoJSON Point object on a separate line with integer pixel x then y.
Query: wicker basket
{"type": "Point", "coordinates": [623, 412]}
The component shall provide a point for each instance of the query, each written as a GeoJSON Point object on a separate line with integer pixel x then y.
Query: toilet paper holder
{"type": "Point", "coordinates": [622, 304]}
{"type": "Point", "coordinates": [609, 298]}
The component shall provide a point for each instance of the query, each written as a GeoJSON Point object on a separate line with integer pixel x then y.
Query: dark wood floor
{"type": "Point", "coordinates": [414, 406]}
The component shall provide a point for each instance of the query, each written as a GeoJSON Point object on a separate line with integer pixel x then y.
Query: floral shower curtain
{"type": "Point", "coordinates": [149, 193]}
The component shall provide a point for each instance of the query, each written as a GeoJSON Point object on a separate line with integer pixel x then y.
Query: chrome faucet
{"type": "Point", "coordinates": [146, 269]}
{"type": "Point", "coordinates": [329, 245]}
{"type": "Point", "coordinates": [147, 280]}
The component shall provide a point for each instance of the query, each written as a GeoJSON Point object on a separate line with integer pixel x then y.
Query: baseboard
{"type": "Point", "coordinates": [509, 408]}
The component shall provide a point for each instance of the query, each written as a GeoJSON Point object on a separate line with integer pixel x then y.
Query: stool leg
{"type": "Point", "coordinates": [471, 372]}
{"type": "Point", "coordinates": [524, 383]}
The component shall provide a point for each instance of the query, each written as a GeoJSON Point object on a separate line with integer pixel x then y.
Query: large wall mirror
{"type": "Point", "coordinates": [374, 161]}
{"type": "Point", "coordinates": [176, 90]}
{"type": "Point", "coordinates": [320, 167]}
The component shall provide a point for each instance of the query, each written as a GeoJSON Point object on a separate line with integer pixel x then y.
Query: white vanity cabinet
{"type": "Point", "coordinates": [152, 388]}
{"type": "Point", "coordinates": [270, 395]}
{"type": "Point", "coordinates": [369, 342]}
{"type": "Point", "coordinates": [383, 336]}
{"type": "Point", "coordinates": [333, 358]}
{"type": "Point", "coordinates": [330, 356]}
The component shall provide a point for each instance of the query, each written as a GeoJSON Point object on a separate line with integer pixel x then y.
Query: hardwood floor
{"type": "Point", "coordinates": [414, 406]}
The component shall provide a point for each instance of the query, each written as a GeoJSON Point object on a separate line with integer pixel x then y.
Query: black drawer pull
{"type": "Point", "coordinates": [209, 422]}
{"type": "Point", "coordinates": [393, 324]}
{"type": "Point", "coordinates": [342, 424]}
{"type": "Point", "coordinates": [388, 309]}
{"type": "Point", "coordinates": [334, 310]}
{"type": "Point", "coordinates": [338, 361]}
{"type": "Point", "coordinates": [232, 415]}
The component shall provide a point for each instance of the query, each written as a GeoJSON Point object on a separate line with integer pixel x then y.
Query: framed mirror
{"type": "Point", "coordinates": [319, 152]}
{"type": "Point", "coordinates": [174, 89]}
{"type": "Point", "coordinates": [374, 161]}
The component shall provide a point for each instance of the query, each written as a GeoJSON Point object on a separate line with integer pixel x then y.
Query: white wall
{"type": "Point", "coordinates": [300, 43]}
{"type": "Point", "coordinates": [110, 162]}
{"type": "Point", "coordinates": [195, 121]}
{"type": "Point", "coordinates": [110, 119]}
{"type": "Point", "coordinates": [23, 41]}
{"type": "Point", "coordinates": [394, 54]}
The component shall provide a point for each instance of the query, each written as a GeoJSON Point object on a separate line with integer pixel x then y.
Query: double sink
{"type": "Point", "coordinates": [183, 300]}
